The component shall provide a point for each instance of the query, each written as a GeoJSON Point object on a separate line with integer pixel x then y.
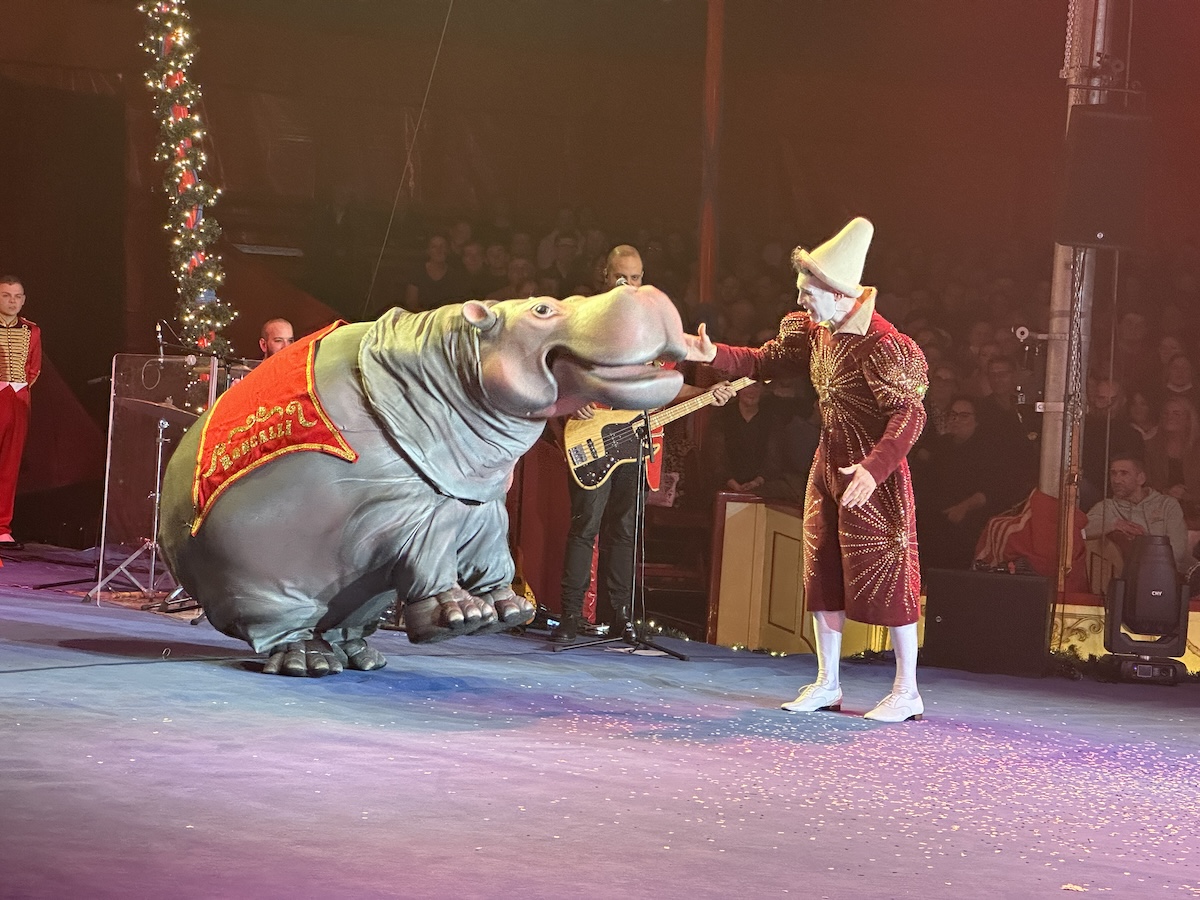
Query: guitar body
{"type": "Point", "coordinates": [596, 446]}
{"type": "Point", "coordinates": [611, 438]}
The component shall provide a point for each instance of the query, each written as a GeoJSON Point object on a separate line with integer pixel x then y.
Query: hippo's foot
{"type": "Point", "coordinates": [448, 614]}
{"type": "Point", "coordinates": [360, 656]}
{"type": "Point", "coordinates": [304, 659]}
{"type": "Point", "coordinates": [512, 609]}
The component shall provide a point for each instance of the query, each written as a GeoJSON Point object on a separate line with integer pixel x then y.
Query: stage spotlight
{"type": "Point", "coordinates": [1150, 602]}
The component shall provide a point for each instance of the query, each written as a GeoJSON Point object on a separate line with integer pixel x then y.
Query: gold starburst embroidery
{"type": "Point", "coordinates": [881, 548]}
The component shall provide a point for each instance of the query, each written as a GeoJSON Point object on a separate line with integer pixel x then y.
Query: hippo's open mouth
{"type": "Point", "coordinates": [628, 373]}
{"type": "Point", "coordinates": [628, 386]}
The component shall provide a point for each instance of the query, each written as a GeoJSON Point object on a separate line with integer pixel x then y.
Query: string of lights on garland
{"type": "Point", "coordinates": [201, 314]}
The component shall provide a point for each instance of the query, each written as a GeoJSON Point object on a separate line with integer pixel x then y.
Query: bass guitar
{"type": "Point", "coordinates": [613, 437]}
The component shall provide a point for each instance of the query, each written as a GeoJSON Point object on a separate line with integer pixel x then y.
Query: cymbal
{"type": "Point", "coordinates": [167, 411]}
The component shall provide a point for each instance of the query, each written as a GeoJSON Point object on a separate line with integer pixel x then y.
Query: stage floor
{"type": "Point", "coordinates": [145, 757]}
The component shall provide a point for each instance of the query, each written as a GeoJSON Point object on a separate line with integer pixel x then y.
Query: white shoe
{"type": "Point", "coordinates": [897, 708]}
{"type": "Point", "coordinates": [816, 697]}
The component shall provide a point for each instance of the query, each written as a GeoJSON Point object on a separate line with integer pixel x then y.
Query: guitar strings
{"type": "Point", "coordinates": [629, 430]}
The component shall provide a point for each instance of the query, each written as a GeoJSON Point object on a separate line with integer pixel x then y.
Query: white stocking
{"type": "Point", "coordinates": [904, 644]}
{"type": "Point", "coordinates": [828, 626]}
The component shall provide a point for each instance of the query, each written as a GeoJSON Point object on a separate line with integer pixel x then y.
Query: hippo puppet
{"type": "Point", "coordinates": [301, 553]}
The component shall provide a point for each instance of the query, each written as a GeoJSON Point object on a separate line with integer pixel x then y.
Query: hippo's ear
{"type": "Point", "coordinates": [479, 314]}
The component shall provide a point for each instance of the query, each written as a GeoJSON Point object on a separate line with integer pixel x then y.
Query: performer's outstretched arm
{"type": "Point", "coordinates": [783, 355]}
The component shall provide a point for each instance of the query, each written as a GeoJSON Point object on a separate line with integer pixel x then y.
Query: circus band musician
{"type": "Point", "coordinates": [20, 365]}
{"type": "Point", "coordinates": [860, 545]}
{"type": "Point", "coordinates": [609, 511]}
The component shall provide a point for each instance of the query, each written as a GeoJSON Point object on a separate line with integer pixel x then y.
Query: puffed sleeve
{"type": "Point", "coordinates": [898, 377]}
{"type": "Point", "coordinates": [785, 354]}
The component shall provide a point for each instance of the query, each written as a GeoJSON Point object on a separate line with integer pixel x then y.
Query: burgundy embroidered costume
{"type": "Point", "coordinates": [869, 380]}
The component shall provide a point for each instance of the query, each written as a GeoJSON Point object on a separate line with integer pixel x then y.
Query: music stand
{"type": "Point", "coordinates": [150, 395]}
{"type": "Point", "coordinates": [635, 631]}
{"type": "Point", "coordinates": [149, 544]}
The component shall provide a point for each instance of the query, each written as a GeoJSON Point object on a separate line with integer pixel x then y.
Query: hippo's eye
{"type": "Point", "coordinates": [543, 310]}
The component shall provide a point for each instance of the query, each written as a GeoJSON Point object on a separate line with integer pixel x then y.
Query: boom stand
{"type": "Point", "coordinates": [635, 632]}
{"type": "Point", "coordinates": [148, 544]}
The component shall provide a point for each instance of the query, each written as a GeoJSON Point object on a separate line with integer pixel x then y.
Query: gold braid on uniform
{"type": "Point", "coordinates": [14, 352]}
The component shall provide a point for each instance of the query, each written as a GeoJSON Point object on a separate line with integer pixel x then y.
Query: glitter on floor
{"type": "Point", "coordinates": [145, 757]}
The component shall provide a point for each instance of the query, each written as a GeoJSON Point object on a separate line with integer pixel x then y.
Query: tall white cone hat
{"type": "Point", "coordinates": [839, 261]}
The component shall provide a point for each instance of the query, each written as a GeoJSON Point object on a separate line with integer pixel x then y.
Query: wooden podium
{"type": "Point", "coordinates": [758, 548]}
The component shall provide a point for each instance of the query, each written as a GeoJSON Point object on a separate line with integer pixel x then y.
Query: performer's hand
{"type": "Point", "coordinates": [860, 488]}
{"type": "Point", "coordinates": [722, 393]}
{"type": "Point", "coordinates": [700, 348]}
{"type": "Point", "coordinates": [585, 412]}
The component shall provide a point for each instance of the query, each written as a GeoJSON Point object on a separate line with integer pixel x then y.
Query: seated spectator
{"type": "Point", "coordinates": [1012, 428]}
{"type": "Point", "coordinates": [1169, 346]}
{"type": "Point", "coordinates": [980, 333]}
{"type": "Point", "coordinates": [458, 237]}
{"type": "Point", "coordinates": [496, 257]}
{"type": "Point", "coordinates": [564, 269]}
{"type": "Point", "coordinates": [1133, 351]}
{"type": "Point", "coordinates": [1143, 415]}
{"type": "Point", "coordinates": [597, 282]}
{"type": "Point", "coordinates": [595, 243]}
{"type": "Point", "coordinates": [975, 382]}
{"type": "Point", "coordinates": [943, 387]}
{"type": "Point", "coordinates": [967, 480]}
{"type": "Point", "coordinates": [1173, 455]}
{"type": "Point", "coordinates": [1179, 377]}
{"type": "Point", "coordinates": [479, 281]}
{"type": "Point", "coordinates": [520, 274]}
{"type": "Point", "coordinates": [435, 282]}
{"type": "Point", "coordinates": [520, 246]}
{"type": "Point", "coordinates": [736, 442]}
{"type": "Point", "coordinates": [1135, 509]}
{"type": "Point", "coordinates": [564, 226]}
{"type": "Point", "coordinates": [1107, 434]}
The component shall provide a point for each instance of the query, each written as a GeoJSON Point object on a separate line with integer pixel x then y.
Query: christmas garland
{"type": "Point", "coordinates": [201, 315]}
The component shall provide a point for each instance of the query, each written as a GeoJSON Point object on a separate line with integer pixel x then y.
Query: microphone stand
{"type": "Point", "coordinates": [635, 631]}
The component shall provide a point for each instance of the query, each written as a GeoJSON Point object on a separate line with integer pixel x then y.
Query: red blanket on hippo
{"type": "Point", "coordinates": [273, 411]}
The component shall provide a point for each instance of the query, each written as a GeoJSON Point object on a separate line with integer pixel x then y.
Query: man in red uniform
{"type": "Point", "coordinates": [20, 364]}
{"type": "Point", "coordinates": [860, 539]}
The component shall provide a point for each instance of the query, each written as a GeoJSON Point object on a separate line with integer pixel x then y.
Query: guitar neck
{"type": "Point", "coordinates": [687, 407]}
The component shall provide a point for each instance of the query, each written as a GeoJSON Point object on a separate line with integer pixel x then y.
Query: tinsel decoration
{"type": "Point", "coordinates": [201, 314]}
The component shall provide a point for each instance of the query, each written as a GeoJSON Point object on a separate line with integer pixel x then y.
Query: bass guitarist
{"type": "Point", "coordinates": [609, 509]}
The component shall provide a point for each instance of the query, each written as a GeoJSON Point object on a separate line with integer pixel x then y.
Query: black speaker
{"type": "Point", "coordinates": [987, 622]}
{"type": "Point", "coordinates": [1105, 176]}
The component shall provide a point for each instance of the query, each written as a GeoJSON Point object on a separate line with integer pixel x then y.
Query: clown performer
{"type": "Point", "coordinates": [860, 537]}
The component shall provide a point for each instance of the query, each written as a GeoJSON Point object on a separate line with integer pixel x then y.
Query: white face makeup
{"type": "Point", "coordinates": [817, 300]}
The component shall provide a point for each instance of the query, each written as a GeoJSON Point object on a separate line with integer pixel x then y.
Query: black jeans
{"type": "Point", "coordinates": [609, 511]}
